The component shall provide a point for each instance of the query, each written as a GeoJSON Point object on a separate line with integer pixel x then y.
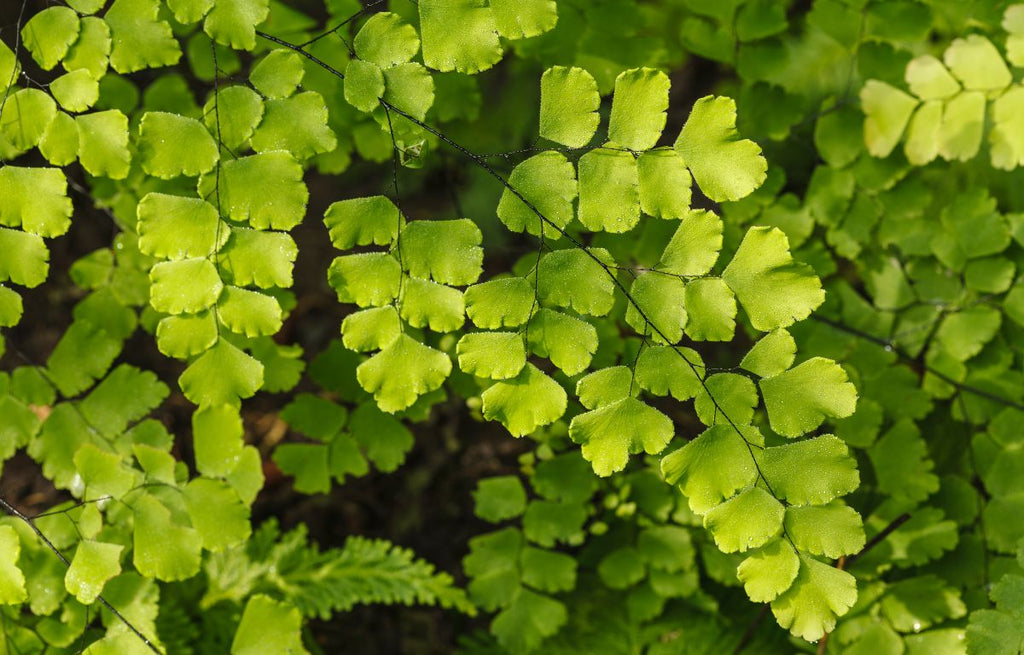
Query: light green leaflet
{"type": "Point", "coordinates": [525, 402]}
{"type": "Point", "coordinates": [139, 39]}
{"type": "Point", "coordinates": [611, 433]}
{"type": "Point", "coordinates": [172, 145]}
{"type": "Point", "coordinates": [725, 166]}
{"type": "Point", "coordinates": [177, 227]}
{"type": "Point", "coordinates": [277, 74]}
{"type": "Point", "coordinates": [547, 181]}
{"type": "Point", "coordinates": [268, 625]}
{"type": "Point", "coordinates": [609, 186]}
{"type": "Point", "coordinates": [568, 106]}
{"type": "Point", "coordinates": [222, 375]}
{"type": "Point", "coordinates": [800, 399]}
{"type": "Point", "coordinates": [472, 48]}
{"type": "Point", "coordinates": [12, 580]}
{"type": "Point", "coordinates": [93, 564]}
{"type": "Point", "coordinates": [49, 34]}
{"type": "Point", "coordinates": [494, 355]}
{"type": "Point", "coordinates": [402, 372]}
{"type": "Point", "coordinates": [774, 290]}
{"type": "Point", "coordinates": [819, 594]}
{"type": "Point", "coordinates": [35, 199]}
{"type": "Point", "coordinates": [448, 252]}
{"type": "Point", "coordinates": [638, 108]}
{"type": "Point", "coordinates": [658, 307]}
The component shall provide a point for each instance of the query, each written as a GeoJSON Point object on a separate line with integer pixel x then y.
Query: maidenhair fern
{"type": "Point", "coordinates": [757, 333]}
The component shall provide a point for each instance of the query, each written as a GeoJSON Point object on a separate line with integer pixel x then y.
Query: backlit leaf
{"type": "Point", "coordinates": [638, 108]}
{"type": "Point", "coordinates": [177, 227]}
{"type": "Point", "coordinates": [386, 40]}
{"type": "Point", "coordinates": [800, 399]}
{"type": "Point", "coordinates": [774, 290]}
{"type": "Point", "coordinates": [277, 74]}
{"type": "Point", "coordinates": [221, 376]}
{"type": "Point", "coordinates": [745, 521]}
{"type": "Point", "coordinates": [362, 221]}
{"type": "Point", "coordinates": [265, 189]}
{"type": "Point", "coordinates": [139, 39]}
{"type": "Point", "coordinates": [494, 355]}
{"type": "Point", "coordinates": [163, 548]}
{"type": "Point", "coordinates": [184, 287]}
{"type": "Point", "coordinates": [819, 595]}
{"type": "Point", "coordinates": [769, 571]}
{"type": "Point", "coordinates": [568, 106]}
{"type": "Point", "coordinates": [613, 432]}
{"type": "Point", "coordinates": [547, 181]}
{"type": "Point", "coordinates": [448, 252]}
{"type": "Point", "coordinates": [234, 23]}
{"type": "Point", "coordinates": [35, 199]}
{"type": "Point", "coordinates": [172, 145]}
{"type": "Point", "coordinates": [567, 341]}
{"type": "Point", "coordinates": [609, 191]}
{"type": "Point", "coordinates": [525, 402]}
{"type": "Point", "coordinates": [725, 166]}
{"type": "Point", "coordinates": [712, 467]}
{"type": "Point", "coordinates": [402, 372]}
{"type": "Point", "coordinates": [94, 563]}
{"type": "Point", "coordinates": [472, 48]}
{"type": "Point", "coordinates": [576, 278]}
{"type": "Point", "coordinates": [810, 472]}
{"type": "Point", "coordinates": [831, 530]}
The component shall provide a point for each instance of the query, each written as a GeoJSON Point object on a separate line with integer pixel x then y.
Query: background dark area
{"type": "Point", "coordinates": [426, 505]}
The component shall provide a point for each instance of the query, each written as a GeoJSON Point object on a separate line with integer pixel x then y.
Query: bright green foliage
{"type": "Point", "coordinates": [748, 520]}
{"type": "Point", "coordinates": [568, 106]}
{"type": "Point", "coordinates": [103, 143]}
{"type": "Point", "coordinates": [664, 183]}
{"type": "Point", "coordinates": [773, 289]}
{"type": "Point", "coordinates": [12, 580]}
{"type": "Point", "coordinates": [525, 402]}
{"type": "Point", "coordinates": [278, 74]}
{"type": "Point", "coordinates": [185, 286]}
{"type": "Point", "coordinates": [268, 624]}
{"type": "Point", "coordinates": [577, 279]}
{"type": "Point", "coordinates": [833, 472]}
{"type": "Point", "coordinates": [609, 191]}
{"type": "Point", "coordinates": [505, 302]}
{"type": "Point", "coordinates": [421, 369]}
{"type": "Point", "coordinates": [163, 548]}
{"type": "Point", "coordinates": [35, 199]}
{"type": "Point", "coordinates": [222, 375]}
{"type": "Point", "coordinates": [75, 91]}
{"type": "Point", "coordinates": [472, 48]}
{"type": "Point", "coordinates": [611, 433]}
{"type": "Point", "coordinates": [172, 145]}
{"type": "Point", "coordinates": [265, 189]}
{"type": "Point", "coordinates": [819, 594]}
{"type": "Point", "coordinates": [177, 227]}
{"type": "Point", "coordinates": [233, 115]}
{"type": "Point", "coordinates": [234, 23]}
{"type": "Point", "coordinates": [638, 108]}
{"type": "Point", "coordinates": [494, 355]}
{"type": "Point", "coordinates": [725, 166]}
{"type": "Point", "coordinates": [386, 40]}
{"type": "Point", "coordinates": [694, 247]}
{"type": "Point", "coordinates": [712, 467]}
{"type": "Point", "coordinates": [658, 308]}
{"type": "Point", "coordinates": [362, 221]}
{"type": "Point", "coordinates": [547, 181]}
{"type": "Point", "coordinates": [49, 34]}
{"type": "Point", "coordinates": [297, 125]}
{"type": "Point", "coordinates": [93, 565]}
{"type": "Point", "coordinates": [795, 400]}
{"type": "Point", "coordinates": [138, 38]}
{"type": "Point", "coordinates": [876, 214]}
{"type": "Point", "coordinates": [447, 252]}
